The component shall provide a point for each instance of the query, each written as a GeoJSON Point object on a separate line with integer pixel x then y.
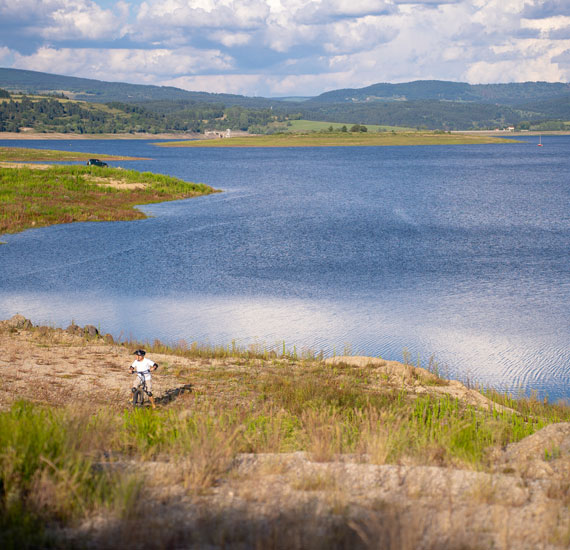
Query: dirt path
{"type": "Point", "coordinates": [59, 367]}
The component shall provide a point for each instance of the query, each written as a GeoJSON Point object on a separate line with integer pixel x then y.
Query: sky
{"type": "Point", "coordinates": [276, 48]}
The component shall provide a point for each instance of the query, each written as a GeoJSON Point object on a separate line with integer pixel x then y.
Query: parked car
{"type": "Point", "coordinates": [96, 162]}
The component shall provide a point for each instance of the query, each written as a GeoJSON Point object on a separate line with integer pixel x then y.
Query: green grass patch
{"type": "Point", "coordinates": [340, 139]}
{"type": "Point", "coordinates": [21, 154]}
{"type": "Point", "coordinates": [320, 126]}
{"type": "Point", "coordinates": [63, 194]}
{"type": "Point", "coordinates": [46, 477]}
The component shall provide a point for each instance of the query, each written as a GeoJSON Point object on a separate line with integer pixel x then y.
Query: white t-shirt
{"type": "Point", "coordinates": [142, 366]}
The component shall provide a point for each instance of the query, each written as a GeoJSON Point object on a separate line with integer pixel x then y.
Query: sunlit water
{"type": "Point", "coordinates": [457, 251]}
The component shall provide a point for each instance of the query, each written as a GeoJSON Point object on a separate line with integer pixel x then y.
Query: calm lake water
{"type": "Point", "coordinates": [457, 251]}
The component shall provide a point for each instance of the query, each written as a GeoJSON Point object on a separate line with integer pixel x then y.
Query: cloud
{"type": "Point", "coordinates": [563, 60]}
{"type": "Point", "coordinates": [484, 72]}
{"type": "Point", "coordinates": [63, 19]}
{"type": "Point", "coordinates": [428, 3]}
{"type": "Point", "coordinates": [358, 35]}
{"type": "Point", "coordinates": [203, 14]}
{"type": "Point", "coordinates": [231, 39]}
{"type": "Point", "coordinates": [260, 84]}
{"type": "Point", "coordinates": [288, 47]}
{"type": "Point", "coordinates": [325, 11]}
{"type": "Point", "coordinates": [6, 55]}
{"type": "Point", "coordinates": [560, 33]}
{"type": "Point", "coordinates": [539, 9]}
{"type": "Point", "coordinates": [131, 65]}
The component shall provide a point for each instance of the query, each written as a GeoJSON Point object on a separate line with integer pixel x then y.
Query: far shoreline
{"type": "Point", "coordinates": [344, 139]}
{"type": "Point", "coordinates": [58, 136]}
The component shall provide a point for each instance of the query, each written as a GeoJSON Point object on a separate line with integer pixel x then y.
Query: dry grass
{"type": "Point", "coordinates": [271, 453]}
{"type": "Point", "coordinates": [342, 139]}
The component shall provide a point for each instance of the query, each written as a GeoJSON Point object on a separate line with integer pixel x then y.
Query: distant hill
{"type": "Point", "coordinates": [516, 93]}
{"type": "Point", "coordinates": [98, 91]}
{"type": "Point", "coordinates": [431, 104]}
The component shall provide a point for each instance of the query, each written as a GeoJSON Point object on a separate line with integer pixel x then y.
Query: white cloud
{"type": "Point", "coordinates": [260, 84]}
{"type": "Point", "coordinates": [257, 46]}
{"type": "Point", "coordinates": [64, 19]}
{"type": "Point", "coordinates": [538, 9]}
{"type": "Point", "coordinates": [6, 55]}
{"type": "Point", "coordinates": [231, 39]}
{"type": "Point", "coordinates": [357, 35]}
{"type": "Point", "coordinates": [136, 65]}
{"type": "Point", "coordinates": [483, 72]}
{"type": "Point", "coordinates": [244, 84]}
{"type": "Point", "coordinates": [230, 14]}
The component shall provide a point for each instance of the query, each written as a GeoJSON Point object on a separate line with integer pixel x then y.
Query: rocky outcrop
{"type": "Point", "coordinates": [18, 322]}
{"type": "Point", "coordinates": [87, 330]}
{"type": "Point", "coordinates": [542, 455]}
{"type": "Point", "coordinates": [417, 380]}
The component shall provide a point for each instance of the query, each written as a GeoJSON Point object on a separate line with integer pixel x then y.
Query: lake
{"type": "Point", "coordinates": [460, 252]}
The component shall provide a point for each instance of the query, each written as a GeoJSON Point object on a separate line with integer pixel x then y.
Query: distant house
{"type": "Point", "coordinates": [228, 133]}
{"type": "Point", "coordinates": [510, 129]}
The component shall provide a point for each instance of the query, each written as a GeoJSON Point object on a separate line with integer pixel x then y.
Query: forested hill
{"type": "Point", "coordinates": [99, 91]}
{"type": "Point", "coordinates": [430, 104]}
{"type": "Point", "coordinates": [516, 93]}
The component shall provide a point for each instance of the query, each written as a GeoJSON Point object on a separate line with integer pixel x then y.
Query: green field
{"type": "Point", "coordinates": [318, 126]}
{"type": "Point", "coordinates": [340, 139]}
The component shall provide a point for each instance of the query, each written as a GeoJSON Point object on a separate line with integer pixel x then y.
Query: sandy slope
{"type": "Point", "coordinates": [57, 367]}
{"type": "Point", "coordinates": [290, 500]}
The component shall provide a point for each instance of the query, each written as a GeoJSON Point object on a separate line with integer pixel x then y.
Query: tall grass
{"type": "Point", "coordinates": [58, 466]}
{"type": "Point", "coordinates": [46, 477]}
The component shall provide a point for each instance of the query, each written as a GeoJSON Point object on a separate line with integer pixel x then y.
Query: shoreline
{"type": "Point", "coordinates": [57, 136]}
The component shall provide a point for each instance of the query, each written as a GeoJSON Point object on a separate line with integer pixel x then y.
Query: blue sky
{"type": "Point", "coordinates": [288, 47]}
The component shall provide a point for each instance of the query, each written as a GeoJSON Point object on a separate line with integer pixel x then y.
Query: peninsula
{"type": "Point", "coordinates": [39, 195]}
{"type": "Point", "coordinates": [341, 139]}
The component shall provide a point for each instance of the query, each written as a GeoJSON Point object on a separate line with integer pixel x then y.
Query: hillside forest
{"type": "Point", "coordinates": [54, 103]}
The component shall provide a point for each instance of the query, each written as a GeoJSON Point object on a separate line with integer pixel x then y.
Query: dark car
{"type": "Point", "coordinates": [96, 162]}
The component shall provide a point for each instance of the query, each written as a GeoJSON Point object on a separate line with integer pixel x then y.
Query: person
{"type": "Point", "coordinates": [143, 367]}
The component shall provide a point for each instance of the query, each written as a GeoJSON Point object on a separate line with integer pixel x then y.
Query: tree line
{"type": "Point", "coordinates": [58, 114]}
{"type": "Point", "coordinates": [49, 114]}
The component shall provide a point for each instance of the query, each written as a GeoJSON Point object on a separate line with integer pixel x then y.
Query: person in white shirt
{"type": "Point", "coordinates": [143, 367]}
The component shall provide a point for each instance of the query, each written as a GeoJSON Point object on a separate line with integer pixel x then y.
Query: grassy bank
{"type": "Point", "coordinates": [264, 446]}
{"type": "Point", "coordinates": [35, 197]}
{"type": "Point", "coordinates": [21, 154]}
{"type": "Point", "coordinates": [340, 139]}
